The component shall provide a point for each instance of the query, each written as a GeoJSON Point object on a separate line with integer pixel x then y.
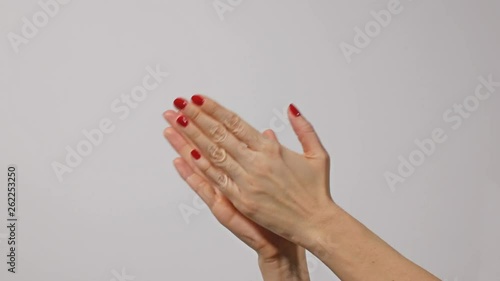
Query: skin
{"type": "Point", "coordinates": [278, 201]}
{"type": "Point", "coordinates": [278, 258]}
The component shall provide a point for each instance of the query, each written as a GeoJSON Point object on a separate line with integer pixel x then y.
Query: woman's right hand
{"type": "Point", "coordinates": [284, 192]}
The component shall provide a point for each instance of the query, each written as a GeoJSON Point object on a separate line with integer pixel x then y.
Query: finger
{"type": "Point", "coordinates": [216, 131]}
{"type": "Point", "coordinates": [270, 134]}
{"type": "Point", "coordinates": [199, 185]}
{"type": "Point", "coordinates": [182, 145]}
{"type": "Point", "coordinates": [306, 134]}
{"type": "Point", "coordinates": [177, 140]}
{"type": "Point", "coordinates": [241, 129]}
{"type": "Point", "coordinates": [171, 117]}
{"type": "Point", "coordinates": [224, 183]}
{"type": "Point", "coordinates": [183, 148]}
{"type": "Point", "coordinates": [215, 154]}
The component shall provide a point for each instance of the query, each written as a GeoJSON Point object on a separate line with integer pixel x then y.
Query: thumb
{"type": "Point", "coordinates": [305, 132]}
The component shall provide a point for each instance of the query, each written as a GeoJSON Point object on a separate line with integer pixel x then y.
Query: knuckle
{"type": "Point", "coordinates": [245, 153]}
{"type": "Point", "coordinates": [324, 156]}
{"type": "Point", "coordinates": [232, 168]}
{"type": "Point", "coordinates": [218, 133]}
{"type": "Point", "coordinates": [306, 128]}
{"type": "Point", "coordinates": [242, 148]}
{"type": "Point", "coordinates": [234, 124]}
{"type": "Point", "coordinates": [222, 180]}
{"type": "Point", "coordinates": [196, 115]}
{"type": "Point", "coordinates": [203, 185]}
{"type": "Point", "coordinates": [250, 156]}
{"type": "Point", "coordinates": [258, 191]}
{"type": "Point", "coordinates": [263, 168]}
{"type": "Point", "coordinates": [327, 156]}
{"type": "Point", "coordinates": [217, 154]}
{"type": "Point", "coordinates": [275, 147]}
{"type": "Point", "coordinates": [195, 134]}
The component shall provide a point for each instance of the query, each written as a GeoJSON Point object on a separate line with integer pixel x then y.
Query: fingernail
{"type": "Point", "coordinates": [182, 120]}
{"type": "Point", "coordinates": [198, 100]}
{"type": "Point", "coordinates": [196, 155]}
{"type": "Point", "coordinates": [180, 103]}
{"type": "Point", "coordinates": [294, 110]}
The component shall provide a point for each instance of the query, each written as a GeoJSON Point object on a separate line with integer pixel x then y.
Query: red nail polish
{"type": "Point", "coordinates": [294, 110]}
{"type": "Point", "coordinates": [198, 100]}
{"type": "Point", "coordinates": [180, 103]}
{"type": "Point", "coordinates": [196, 155]}
{"type": "Point", "coordinates": [182, 120]}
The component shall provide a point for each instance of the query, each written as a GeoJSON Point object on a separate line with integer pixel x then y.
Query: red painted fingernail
{"type": "Point", "coordinates": [197, 99]}
{"type": "Point", "coordinates": [182, 120]}
{"type": "Point", "coordinates": [196, 155]}
{"type": "Point", "coordinates": [294, 110]}
{"type": "Point", "coordinates": [180, 103]}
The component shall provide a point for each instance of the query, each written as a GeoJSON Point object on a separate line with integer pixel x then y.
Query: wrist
{"type": "Point", "coordinates": [353, 252]}
{"type": "Point", "coordinates": [321, 228]}
{"type": "Point", "coordinates": [285, 267]}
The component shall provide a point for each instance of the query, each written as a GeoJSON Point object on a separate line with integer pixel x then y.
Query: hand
{"type": "Point", "coordinates": [279, 189]}
{"type": "Point", "coordinates": [286, 192]}
{"type": "Point", "coordinates": [279, 259]}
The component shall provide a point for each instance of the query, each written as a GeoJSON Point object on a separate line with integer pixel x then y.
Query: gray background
{"type": "Point", "coordinates": [120, 209]}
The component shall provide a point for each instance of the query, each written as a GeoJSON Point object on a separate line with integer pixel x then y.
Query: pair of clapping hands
{"type": "Point", "coordinates": [264, 193]}
{"type": "Point", "coordinates": [275, 200]}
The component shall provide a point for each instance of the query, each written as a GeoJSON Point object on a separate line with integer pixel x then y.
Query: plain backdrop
{"type": "Point", "coordinates": [123, 208]}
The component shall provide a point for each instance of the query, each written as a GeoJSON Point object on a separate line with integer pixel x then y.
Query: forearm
{"type": "Point", "coordinates": [292, 267]}
{"type": "Point", "coordinates": [354, 253]}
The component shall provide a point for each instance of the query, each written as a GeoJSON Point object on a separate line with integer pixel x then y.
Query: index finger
{"type": "Point", "coordinates": [240, 129]}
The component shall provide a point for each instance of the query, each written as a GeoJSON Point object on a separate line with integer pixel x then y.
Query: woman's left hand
{"type": "Point", "coordinates": [279, 259]}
